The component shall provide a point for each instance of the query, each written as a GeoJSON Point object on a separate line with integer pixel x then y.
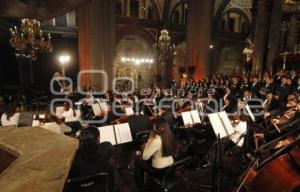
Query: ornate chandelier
{"type": "Point", "coordinates": [164, 41]}
{"type": "Point", "coordinates": [29, 40]}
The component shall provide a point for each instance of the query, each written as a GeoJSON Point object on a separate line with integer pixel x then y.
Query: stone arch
{"type": "Point", "coordinates": [230, 57]}
{"type": "Point", "coordinates": [134, 47]}
{"type": "Point", "coordinates": [130, 30]}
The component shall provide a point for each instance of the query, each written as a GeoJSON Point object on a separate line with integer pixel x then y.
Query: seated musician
{"type": "Point", "coordinates": [68, 111]}
{"type": "Point", "coordinates": [287, 116]}
{"type": "Point", "coordinates": [240, 127]}
{"type": "Point", "coordinates": [270, 105]}
{"type": "Point", "coordinates": [167, 114]}
{"type": "Point", "coordinates": [228, 106]}
{"type": "Point", "coordinates": [11, 116]}
{"type": "Point", "coordinates": [92, 157]}
{"type": "Point", "coordinates": [54, 124]}
{"type": "Point", "coordinates": [159, 148]}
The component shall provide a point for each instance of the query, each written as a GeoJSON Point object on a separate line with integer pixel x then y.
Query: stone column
{"type": "Point", "coordinates": [275, 34]}
{"type": "Point", "coordinates": [199, 33]}
{"type": "Point", "coordinates": [261, 35]}
{"type": "Point", "coordinates": [127, 8]}
{"type": "Point", "coordinates": [97, 41]}
{"type": "Point", "coordinates": [292, 33]}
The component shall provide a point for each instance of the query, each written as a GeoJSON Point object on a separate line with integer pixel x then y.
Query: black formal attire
{"type": "Point", "coordinates": [82, 167]}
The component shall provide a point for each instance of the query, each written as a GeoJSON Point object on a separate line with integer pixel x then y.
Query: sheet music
{"type": "Point", "coordinates": [123, 133]}
{"type": "Point", "coordinates": [187, 118]}
{"type": "Point", "coordinates": [196, 117]}
{"type": "Point", "coordinates": [104, 106]}
{"type": "Point", "coordinates": [250, 112]}
{"type": "Point", "coordinates": [71, 119]}
{"type": "Point", "coordinates": [224, 117]}
{"type": "Point", "coordinates": [129, 111]}
{"type": "Point", "coordinates": [59, 111]}
{"type": "Point", "coordinates": [217, 124]}
{"type": "Point", "coordinates": [35, 123]}
{"type": "Point", "coordinates": [96, 109]}
{"type": "Point", "coordinates": [107, 133]}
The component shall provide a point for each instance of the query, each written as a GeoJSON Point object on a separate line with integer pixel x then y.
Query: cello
{"type": "Point", "coordinates": [279, 172]}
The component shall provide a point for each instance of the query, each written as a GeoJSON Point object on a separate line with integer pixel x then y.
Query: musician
{"type": "Point", "coordinates": [167, 115]}
{"type": "Point", "coordinates": [93, 157]}
{"type": "Point", "coordinates": [228, 94]}
{"type": "Point", "coordinates": [160, 148]}
{"type": "Point", "coordinates": [287, 116]}
{"type": "Point", "coordinates": [57, 83]}
{"type": "Point", "coordinates": [270, 105]}
{"type": "Point", "coordinates": [283, 90]}
{"type": "Point", "coordinates": [211, 105]}
{"type": "Point", "coordinates": [228, 106]}
{"type": "Point", "coordinates": [255, 86]}
{"type": "Point", "coordinates": [11, 116]}
{"type": "Point", "coordinates": [269, 84]}
{"type": "Point", "coordinates": [68, 111]}
{"type": "Point", "coordinates": [296, 87]}
{"type": "Point", "coordinates": [240, 127]}
{"type": "Point", "coordinates": [52, 123]}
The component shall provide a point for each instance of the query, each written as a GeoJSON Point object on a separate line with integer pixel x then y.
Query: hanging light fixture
{"type": "Point", "coordinates": [29, 39]}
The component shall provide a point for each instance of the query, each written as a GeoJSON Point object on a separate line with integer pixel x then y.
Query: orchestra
{"type": "Point", "coordinates": [259, 111]}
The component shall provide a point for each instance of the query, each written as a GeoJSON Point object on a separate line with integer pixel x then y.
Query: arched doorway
{"type": "Point", "coordinates": [134, 59]}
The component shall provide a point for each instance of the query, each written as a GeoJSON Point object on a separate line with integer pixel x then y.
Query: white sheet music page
{"type": "Point", "coordinates": [129, 111]}
{"type": "Point", "coordinates": [217, 124]}
{"type": "Point", "coordinates": [187, 118]}
{"type": "Point", "coordinates": [96, 109]}
{"type": "Point", "coordinates": [107, 133]}
{"type": "Point", "coordinates": [123, 133]}
{"type": "Point", "coordinates": [196, 117]}
{"type": "Point", "coordinates": [104, 106]}
{"type": "Point", "coordinates": [224, 117]}
{"type": "Point", "coordinates": [42, 116]}
{"type": "Point", "coordinates": [35, 122]}
{"type": "Point", "coordinates": [250, 112]}
{"type": "Point", "coordinates": [71, 119]}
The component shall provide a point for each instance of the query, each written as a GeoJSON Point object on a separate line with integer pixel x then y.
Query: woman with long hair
{"type": "Point", "coordinates": [92, 157]}
{"type": "Point", "coordinates": [11, 116]}
{"type": "Point", "coordinates": [160, 147]}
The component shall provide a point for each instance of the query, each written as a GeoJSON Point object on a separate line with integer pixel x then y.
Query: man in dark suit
{"type": "Point", "coordinates": [270, 85]}
{"type": "Point", "coordinates": [255, 87]}
{"type": "Point", "coordinates": [282, 91]}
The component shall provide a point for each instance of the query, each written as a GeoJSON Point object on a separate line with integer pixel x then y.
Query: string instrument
{"type": "Point", "coordinates": [283, 118]}
{"type": "Point", "coordinates": [279, 172]}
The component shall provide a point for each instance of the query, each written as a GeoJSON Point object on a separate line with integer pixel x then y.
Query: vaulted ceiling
{"type": "Point", "coordinates": [39, 9]}
{"type": "Point", "coordinates": [46, 9]}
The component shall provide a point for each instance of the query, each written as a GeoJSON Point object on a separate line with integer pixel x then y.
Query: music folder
{"type": "Point", "coordinates": [96, 109]}
{"type": "Point", "coordinates": [129, 111]}
{"type": "Point", "coordinates": [116, 134]}
{"type": "Point", "coordinates": [190, 118]}
{"type": "Point", "coordinates": [221, 124]}
{"type": "Point", "coordinates": [36, 119]}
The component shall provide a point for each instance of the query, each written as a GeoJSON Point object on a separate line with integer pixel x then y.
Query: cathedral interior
{"type": "Point", "coordinates": [146, 64]}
